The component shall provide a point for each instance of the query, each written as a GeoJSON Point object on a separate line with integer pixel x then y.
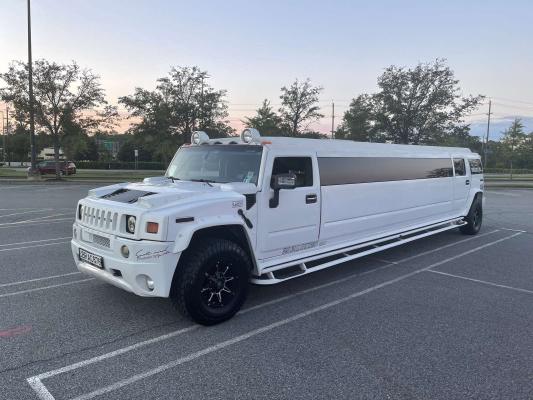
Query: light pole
{"type": "Point", "coordinates": [30, 82]}
{"type": "Point", "coordinates": [3, 138]}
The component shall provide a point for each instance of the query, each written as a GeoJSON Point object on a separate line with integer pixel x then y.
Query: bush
{"type": "Point", "coordinates": [120, 165]}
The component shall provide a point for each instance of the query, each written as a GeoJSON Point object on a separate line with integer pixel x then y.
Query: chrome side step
{"type": "Point", "coordinates": [294, 269]}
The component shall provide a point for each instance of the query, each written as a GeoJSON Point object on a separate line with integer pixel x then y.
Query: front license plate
{"type": "Point", "coordinates": [93, 259]}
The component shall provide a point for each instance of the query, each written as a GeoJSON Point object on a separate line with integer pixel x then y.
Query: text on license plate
{"type": "Point", "coordinates": [91, 258]}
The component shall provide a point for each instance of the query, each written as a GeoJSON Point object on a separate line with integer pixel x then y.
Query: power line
{"type": "Point", "coordinates": [529, 108]}
{"type": "Point", "coordinates": [513, 101]}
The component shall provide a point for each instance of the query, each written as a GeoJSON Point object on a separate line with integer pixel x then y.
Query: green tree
{"type": "Point", "coordinates": [513, 139]}
{"type": "Point", "coordinates": [182, 102]}
{"type": "Point", "coordinates": [19, 144]}
{"type": "Point", "coordinates": [64, 94]}
{"type": "Point", "coordinates": [265, 120]}
{"type": "Point", "coordinates": [299, 106]}
{"type": "Point", "coordinates": [527, 152]}
{"type": "Point", "coordinates": [358, 122]}
{"type": "Point", "coordinates": [413, 105]}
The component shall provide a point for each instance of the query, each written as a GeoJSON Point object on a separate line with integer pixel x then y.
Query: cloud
{"type": "Point", "coordinates": [498, 125]}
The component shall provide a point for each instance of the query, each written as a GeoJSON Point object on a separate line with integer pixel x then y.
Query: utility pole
{"type": "Point", "coordinates": [30, 82]}
{"type": "Point", "coordinates": [332, 120]}
{"type": "Point", "coordinates": [485, 149]}
{"type": "Point", "coordinates": [3, 138]}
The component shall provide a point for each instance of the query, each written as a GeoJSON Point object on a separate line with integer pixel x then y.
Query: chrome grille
{"type": "Point", "coordinates": [99, 218]}
{"type": "Point", "coordinates": [101, 241]}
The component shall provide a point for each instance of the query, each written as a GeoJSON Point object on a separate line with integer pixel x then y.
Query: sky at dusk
{"type": "Point", "coordinates": [252, 48]}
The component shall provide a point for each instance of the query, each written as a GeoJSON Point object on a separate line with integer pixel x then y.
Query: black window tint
{"type": "Point", "coordinates": [475, 166]}
{"type": "Point", "coordinates": [459, 165]}
{"type": "Point", "coordinates": [349, 170]}
{"type": "Point", "coordinates": [301, 166]}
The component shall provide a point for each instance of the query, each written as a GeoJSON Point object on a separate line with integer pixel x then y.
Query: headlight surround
{"type": "Point", "coordinates": [130, 223]}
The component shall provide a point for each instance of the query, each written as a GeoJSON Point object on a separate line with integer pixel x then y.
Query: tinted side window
{"type": "Point", "coordinates": [475, 166]}
{"type": "Point", "coordinates": [350, 170]}
{"type": "Point", "coordinates": [459, 165]}
{"type": "Point", "coordinates": [301, 166]}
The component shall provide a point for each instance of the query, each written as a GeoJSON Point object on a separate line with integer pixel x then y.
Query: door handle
{"type": "Point", "coordinates": [311, 198]}
{"type": "Point", "coordinates": [467, 182]}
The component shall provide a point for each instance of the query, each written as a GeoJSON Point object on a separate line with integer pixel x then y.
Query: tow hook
{"type": "Point", "coordinates": [245, 219]}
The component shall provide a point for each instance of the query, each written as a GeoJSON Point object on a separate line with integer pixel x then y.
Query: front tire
{"type": "Point", "coordinates": [474, 218]}
{"type": "Point", "coordinates": [210, 284]}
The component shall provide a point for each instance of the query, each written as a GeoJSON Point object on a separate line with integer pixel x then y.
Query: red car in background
{"type": "Point", "coordinates": [49, 168]}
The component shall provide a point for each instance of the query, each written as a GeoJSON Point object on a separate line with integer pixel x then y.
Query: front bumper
{"type": "Point", "coordinates": [148, 261]}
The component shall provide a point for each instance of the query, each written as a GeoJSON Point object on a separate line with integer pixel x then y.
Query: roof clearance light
{"type": "Point", "coordinates": [250, 135]}
{"type": "Point", "coordinates": [199, 137]}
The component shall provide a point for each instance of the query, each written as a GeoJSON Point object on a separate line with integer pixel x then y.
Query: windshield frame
{"type": "Point", "coordinates": [225, 146]}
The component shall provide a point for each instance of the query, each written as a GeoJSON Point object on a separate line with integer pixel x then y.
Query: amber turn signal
{"type": "Point", "coordinates": [152, 227]}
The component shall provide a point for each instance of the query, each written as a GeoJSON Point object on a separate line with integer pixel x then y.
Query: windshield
{"type": "Point", "coordinates": [216, 163]}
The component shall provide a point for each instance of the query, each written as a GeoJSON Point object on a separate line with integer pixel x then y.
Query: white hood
{"type": "Point", "coordinates": [160, 192]}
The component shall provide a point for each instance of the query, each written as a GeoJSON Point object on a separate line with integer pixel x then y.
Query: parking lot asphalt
{"type": "Point", "coordinates": [445, 317]}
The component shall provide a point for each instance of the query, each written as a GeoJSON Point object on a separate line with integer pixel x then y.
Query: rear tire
{"type": "Point", "coordinates": [474, 218]}
{"type": "Point", "coordinates": [210, 284]}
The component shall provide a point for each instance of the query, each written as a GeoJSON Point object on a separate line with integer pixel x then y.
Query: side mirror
{"type": "Point", "coordinates": [281, 181]}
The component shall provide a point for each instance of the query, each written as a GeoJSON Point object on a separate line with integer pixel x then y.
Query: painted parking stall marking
{"type": "Point", "coordinates": [36, 382]}
{"type": "Point", "coordinates": [482, 282]}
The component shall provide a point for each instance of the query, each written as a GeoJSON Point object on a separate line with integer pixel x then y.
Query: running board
{"type": "Point", "coordinates": [294, 269]}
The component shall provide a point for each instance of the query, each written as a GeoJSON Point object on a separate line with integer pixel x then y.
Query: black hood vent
{"type": "Point", "coordinates": [126, 195]}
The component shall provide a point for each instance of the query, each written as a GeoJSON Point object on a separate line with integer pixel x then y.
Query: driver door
{"type": "Point", "coordinates": [293, 224]}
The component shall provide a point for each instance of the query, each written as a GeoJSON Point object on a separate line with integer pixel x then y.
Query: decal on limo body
{"type": "Point", "coordinates": [299, 247]}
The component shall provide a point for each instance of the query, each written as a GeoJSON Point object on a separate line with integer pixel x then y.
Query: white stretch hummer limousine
{"type": "Point", "coordinates": [234, 210]}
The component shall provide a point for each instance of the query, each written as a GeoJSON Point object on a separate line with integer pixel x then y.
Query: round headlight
{"type": "Point", "coordinates": [195, 139]}
{"type": "Point", "coordinates": [199, 137]}
{"type": "Point", "coordinates": [131, 224]}
{"type": "Point", "coordinates": [250, 134]}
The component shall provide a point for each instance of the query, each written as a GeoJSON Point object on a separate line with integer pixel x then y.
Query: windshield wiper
{"type": "Point", "coordinates": [172, 178]}
{"type": "Point", "coordinates": [203, 180]}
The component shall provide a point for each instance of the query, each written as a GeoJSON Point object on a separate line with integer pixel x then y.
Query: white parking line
{"type": "Point", "coordinates": [438, 248]}
{"type": "Point", "coordinates": [32, 224]}
{"type": "Point", "coordinates": [26, 212]}
{"type": "Point", "coordinates": [18, 209]}
{"type": "Point", "coordinates": [27, 221]}
{"type": "Point", "coordinates": [45, 287]}
{"type": "Point", "coordinates": [47, 216]}
{"type": "Point", "coordinates": [35, 241]}
{"type": "Point", "coordinates": [38, 386]}
{"type": "Point", "coordinates": [37, 279]}
{"type": "Point", "coordinates": [483, 282]}
{"type": "Point", "coordinates": [513, 230]}
{"type": "Point", "coordinates": [36, 381]}
{"type": "Point", "coordinates": [255, 332]}
{"type": "Point", "coordinates": [31, 247]}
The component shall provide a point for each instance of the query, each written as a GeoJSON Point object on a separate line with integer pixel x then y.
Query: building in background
{"type": "Point", "coordinates": [48, 154]}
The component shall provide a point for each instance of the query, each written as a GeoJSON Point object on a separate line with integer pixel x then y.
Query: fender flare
{"type": "Point", "coordinates": [474, 197]}
{"type": "Point", "coordinates": [184, 237]}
